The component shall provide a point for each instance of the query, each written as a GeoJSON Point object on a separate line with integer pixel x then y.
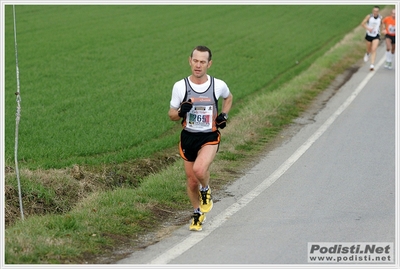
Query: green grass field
{"type": "Point", "coordinates": [96, 83]}
{"type": "Point", "coordinates": [96, 80]}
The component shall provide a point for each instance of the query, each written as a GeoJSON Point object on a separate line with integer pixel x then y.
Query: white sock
{"type": "Point", "coordinates": [391, 56]}
{"type": "Point", "coordinates": [388, 56]}
{"type": "Point", "coordinates": [204, 188]}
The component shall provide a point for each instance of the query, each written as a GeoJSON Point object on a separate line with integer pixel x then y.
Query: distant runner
{"type": "Point", "coordinates": [389, 24]}
{"type": "Point", "coordinates": [372, 23]}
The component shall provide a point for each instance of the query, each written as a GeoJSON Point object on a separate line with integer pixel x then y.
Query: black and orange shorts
{"type": "Point", "coordinates": [191, 143]}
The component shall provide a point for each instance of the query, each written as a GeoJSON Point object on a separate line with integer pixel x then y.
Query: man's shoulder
{"type": "Point", "coordinates": [387, 18]}
{"type": "Point", "coordinates": [180, 83]}
{"type": "Point", "coordinates": [220, 85]}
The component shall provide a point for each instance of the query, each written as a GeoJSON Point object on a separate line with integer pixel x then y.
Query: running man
{"type": "Point", "coordinates": [372, 23]}
{"type": "Point", "coordinates": [195, 100]}
{"type": "Point", "coordinates": [389, 24]}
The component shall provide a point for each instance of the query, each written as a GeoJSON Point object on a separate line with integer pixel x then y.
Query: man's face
{"type": "Point", "coordinates": [199, 63]}
{"type": "Point", "coordinates": [375, 11]}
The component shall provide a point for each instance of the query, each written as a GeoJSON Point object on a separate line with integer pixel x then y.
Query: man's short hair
{"type": "Point", "coordinates": [203, 49]}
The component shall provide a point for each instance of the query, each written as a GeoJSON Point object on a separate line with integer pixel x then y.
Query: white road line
{"type": "Point", "coordinates": [196, 237]}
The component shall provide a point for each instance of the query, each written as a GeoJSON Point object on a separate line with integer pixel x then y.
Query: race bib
{"type": "Point", "coordinates": [200, 118]}
{"type": "Point", "coordinates": [392, 29]}
{"type": "Point", "coordinates": [375, 29]}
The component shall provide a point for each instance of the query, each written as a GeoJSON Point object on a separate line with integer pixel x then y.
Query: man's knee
{"type": "Point", "coordinates": [200, 171]}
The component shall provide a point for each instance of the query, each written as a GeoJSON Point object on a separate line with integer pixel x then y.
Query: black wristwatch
{"type": "Point", "coordinates": [224, 115]}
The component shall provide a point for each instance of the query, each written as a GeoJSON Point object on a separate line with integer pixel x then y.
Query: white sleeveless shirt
{"type": "Point", "coordinates": [214, 89]}
{"type": "Point", "coordinates": [374, 23]}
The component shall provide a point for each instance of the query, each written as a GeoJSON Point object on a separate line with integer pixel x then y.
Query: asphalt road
{"type": "Point", "coordinates": [333, 181]}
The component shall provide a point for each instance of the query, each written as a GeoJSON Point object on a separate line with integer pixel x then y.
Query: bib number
{"type": "Point", "coordinates": [200, 118]}
{"type": "Point", "coordinates": [374, 31]}
{"type": "Point", "coordinates": [392, 29]}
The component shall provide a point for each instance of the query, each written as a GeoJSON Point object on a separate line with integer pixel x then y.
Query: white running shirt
{"type": "Point", "coordinates": [179, 90]}
{"type": "Point", "coordinates": [375, 24]}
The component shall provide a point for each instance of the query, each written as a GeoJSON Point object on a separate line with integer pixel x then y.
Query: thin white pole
{"type": "Point", "coordinates": [18, 116]}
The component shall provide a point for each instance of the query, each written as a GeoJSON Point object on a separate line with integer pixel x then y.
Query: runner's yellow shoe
{"type": "Point", "coordinates": [197, 220]}
{"type": "Point", "coordinates": [206, 202]}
